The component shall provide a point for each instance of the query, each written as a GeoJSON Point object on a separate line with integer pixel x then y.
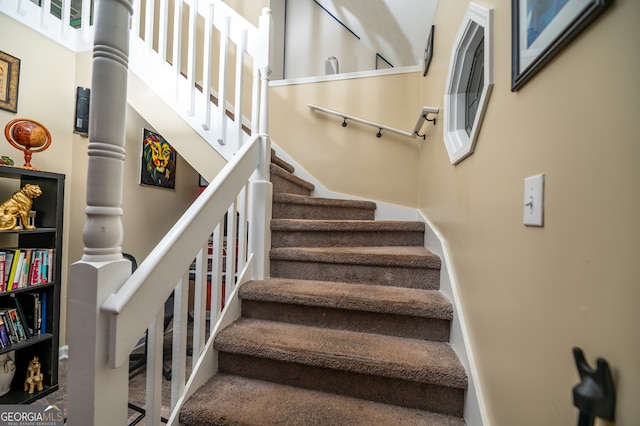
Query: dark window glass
{"type": "Point", "coordinates": [474, 87]}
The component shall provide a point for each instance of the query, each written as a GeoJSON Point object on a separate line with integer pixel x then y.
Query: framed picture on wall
{"type": "Point", "coordinates": [382, 63]}
{"type": "Point", "coordinates": [9, 76]}
{"type": "Point", "coordinates": [540, 29]}
{"type": "Point", "coordinates": [428, 53]}
{"type": "Point", "coordinates": [158, 166]}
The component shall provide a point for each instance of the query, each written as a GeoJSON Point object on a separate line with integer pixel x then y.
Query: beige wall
{"type": "Point", "coordinates": [46, 93]}
{"type": "Point", "coordinates": [352, 160]}
{"type": "Point", "coordinates": [149, 212]}
{"type": "Point", "coordinates": [531, 294]}
{"type": "Point", "coordinates": [48, 79]}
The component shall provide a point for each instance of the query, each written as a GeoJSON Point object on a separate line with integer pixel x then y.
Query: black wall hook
{"type": "Point", "coordinates": [595, 395]}
{"type": "Point", "coordinates": [379, 134]}
{"type": "Point", "coordinates": [344, 123]}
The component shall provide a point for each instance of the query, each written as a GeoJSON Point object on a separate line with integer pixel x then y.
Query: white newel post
{"type": "Point", "coordinates": [97, 394]}
{"type": "Point", "coordinates": [262, 189]}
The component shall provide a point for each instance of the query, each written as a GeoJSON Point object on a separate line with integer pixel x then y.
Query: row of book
{"type": "Point", "coordinates": [24, 267]}
{"type": "Point", "coordinates": [22, 317]}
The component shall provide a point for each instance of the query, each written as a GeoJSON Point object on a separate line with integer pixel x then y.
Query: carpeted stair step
{"type": "Point", "coordinates": [284, 181]}
{"type": "Point", "coordinates": [294, 206]}
{"type": "Point", "coordinates": [393, 311]}
{"type": "Point", "coordinates": [280, 162]}
{"type": "Point", "coordinates": [233, 400]}
{"type": "Point", "coordinates": [411, 267]}
{"type": "Point", "coordinates": [345, 233]}
{"type": "Point", "coordinates": [410, 373]}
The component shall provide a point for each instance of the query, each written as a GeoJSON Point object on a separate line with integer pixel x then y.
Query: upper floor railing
{"type": "Point", "coordinates": [173, 53]}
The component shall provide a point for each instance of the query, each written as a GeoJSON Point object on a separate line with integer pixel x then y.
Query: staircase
{"type": "Point", "coordinates": [349, 329]}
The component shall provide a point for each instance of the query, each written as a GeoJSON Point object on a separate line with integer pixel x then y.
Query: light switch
{"type": "Point", "coordinates": [534, 200]}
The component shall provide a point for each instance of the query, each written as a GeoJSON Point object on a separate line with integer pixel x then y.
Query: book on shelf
{"type": "Point", "coordinates": [25, 267]}
{"type": "Point", "coordinates": [4, 337]}
{"type": "Point", "coordinates": [31, 310]}
{"type": "Point", "coordinates": [8, 323]}
{"type": "Point", "coordinates": [43, 313]}
{"type": "Point", "coordinates": [18, 325]}
{"type": "Point", "coordinates": [13, 307]}
{"type": "Point", "coordinates": [16, 264]}
{"type": "Point", "coordinates": [7, 268]}
{"type": "Point", "coordinates": [3, 262]}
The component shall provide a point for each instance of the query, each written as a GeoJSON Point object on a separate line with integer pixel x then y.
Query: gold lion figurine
{"type": "Point", "coordinates": [18, 206]}
{"type": "Point", "coordinates": [34, 376]}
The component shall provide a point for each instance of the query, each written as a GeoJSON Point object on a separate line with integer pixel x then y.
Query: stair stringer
{"type": "Point", "coordinates": [474, 408]}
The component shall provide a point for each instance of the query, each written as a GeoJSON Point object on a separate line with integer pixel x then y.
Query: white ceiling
{"type": "Point", "coordinates": [396, 29]}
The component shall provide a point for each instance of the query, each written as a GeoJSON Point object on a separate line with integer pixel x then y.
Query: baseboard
{"type": "Point", "coordinates": [63, 352]}
{"type": "Point", "coordinates": [474, 407]}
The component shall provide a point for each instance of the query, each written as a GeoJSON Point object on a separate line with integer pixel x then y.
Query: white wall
{"type": "Point", "coordinates": [312, 36]}
{"type": "Point", "coordinates": [396, 30]}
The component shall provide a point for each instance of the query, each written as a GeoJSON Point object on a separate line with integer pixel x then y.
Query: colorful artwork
{"type": "Point", "coordinates": [158, 161]}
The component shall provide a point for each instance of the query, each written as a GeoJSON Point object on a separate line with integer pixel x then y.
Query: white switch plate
{"type": "Point", "coordinates": [534, 200]}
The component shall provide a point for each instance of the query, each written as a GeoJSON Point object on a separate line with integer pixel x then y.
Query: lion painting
{"type": "Point", "coordinates": [158, 161]}
{"type": "Point", "coordinates": [18, 206]}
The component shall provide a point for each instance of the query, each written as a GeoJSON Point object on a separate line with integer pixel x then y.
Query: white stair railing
{"type": "Point", "coordinates": [109, 308]}
{"type": "Point", "coordinates": [185, 81]}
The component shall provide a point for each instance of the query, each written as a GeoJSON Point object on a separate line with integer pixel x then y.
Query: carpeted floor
{"type": "Point", "coordinates": [137, 384]}
{"type": "Point", "coordinates": [136, 392]}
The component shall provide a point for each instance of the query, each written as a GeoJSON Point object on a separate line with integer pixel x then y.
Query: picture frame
{"type": "Point", "coordinates": [540, 29]}
{"type": "Point", "coordinates": [9, 79]}
{"type": "Point", "coordinates": [382, 63]}
{"type": "Point", "coordinates": [158, 161]}
{"type": "Point", "coordinates": [428, 52]}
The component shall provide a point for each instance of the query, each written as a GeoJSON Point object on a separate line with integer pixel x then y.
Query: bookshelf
{"type": "Point", "coordinates": [43, 287]}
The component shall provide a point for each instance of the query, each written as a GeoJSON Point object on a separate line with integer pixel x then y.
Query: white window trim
{"type": "Point", "coordinates": [458, 143]}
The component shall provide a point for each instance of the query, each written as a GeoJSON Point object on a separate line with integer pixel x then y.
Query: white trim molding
{"type": "Point", "coordinates": [475, 409]}
{"type": "Point", "coordinates": [476, 27]}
